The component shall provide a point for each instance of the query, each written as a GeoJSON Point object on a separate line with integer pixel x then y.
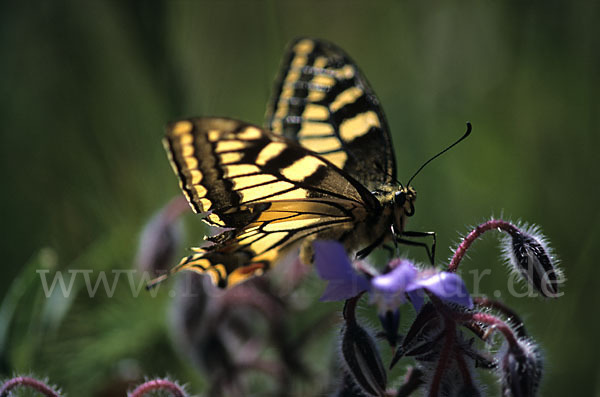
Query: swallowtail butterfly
{"type": "Point", "coordinates": [323, 167]}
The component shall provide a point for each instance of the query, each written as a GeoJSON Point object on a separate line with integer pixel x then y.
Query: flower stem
{"type": "Point", "coordinates": [475, 234]}
{"type": "Point", "coordinates": [444, 358]}
{"type": "Point", "coordinates": [464, 369]}
{"type": "Point", "coordinates": [158, 384]}
{"type": "Point", "coordinates": [510, 314]}
{"type": "Point", "coordinates": [27, 382]}
{"type": "Point", "coordinates": [498, 324]}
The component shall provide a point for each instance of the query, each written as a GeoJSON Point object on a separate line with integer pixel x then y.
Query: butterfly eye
{"type": "Point", "coordinates": [400, 199]}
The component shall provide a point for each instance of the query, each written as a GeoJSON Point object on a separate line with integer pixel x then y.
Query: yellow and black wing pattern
{"type": "Point", "coordinates": [268, 191]}
{"type": "Point", "coordinates": [322, 100]}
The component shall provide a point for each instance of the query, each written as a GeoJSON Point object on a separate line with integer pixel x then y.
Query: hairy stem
{"type": "Point", "coordinates": [492, 224]}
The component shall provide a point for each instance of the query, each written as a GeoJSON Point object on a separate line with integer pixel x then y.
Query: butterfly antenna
{"type": "Point", "coordinates": [466, 134]}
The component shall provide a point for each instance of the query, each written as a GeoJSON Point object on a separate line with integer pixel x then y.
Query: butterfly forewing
{"type": "Point", "coordinates": [322, 100]}
{"type": "Point", "coordinates": [269, 190]}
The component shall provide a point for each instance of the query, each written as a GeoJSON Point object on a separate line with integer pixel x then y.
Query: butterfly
{"type": "Point", "coordinates": [322, 168]}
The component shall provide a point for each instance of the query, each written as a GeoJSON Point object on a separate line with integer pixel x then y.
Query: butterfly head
{"type": "Point", "coordinates": [404, 205]}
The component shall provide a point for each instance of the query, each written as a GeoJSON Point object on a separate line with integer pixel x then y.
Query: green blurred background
{"type": "Point", "coordinates": [86, 88]}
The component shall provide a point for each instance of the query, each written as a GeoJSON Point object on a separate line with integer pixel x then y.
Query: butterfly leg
{"type": "Point", "coordinates": [363, 253]}
{"type": "Point", "coordinates": [430, 253]}
{"type": "Point", "coordinates": [396, 245]}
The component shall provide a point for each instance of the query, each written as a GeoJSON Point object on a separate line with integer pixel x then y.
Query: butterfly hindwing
{"type": "Point", "coordinates": [270, 191]}
{"type": "Point", "coordinates": [241, 253]}
{"type": "Point", "coordinates": [322, 100]}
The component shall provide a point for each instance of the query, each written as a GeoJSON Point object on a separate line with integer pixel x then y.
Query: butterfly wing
{"type": "Point", "coordinates": [322, 100]}
{"type": "Point", "coordinates": [269, 190]}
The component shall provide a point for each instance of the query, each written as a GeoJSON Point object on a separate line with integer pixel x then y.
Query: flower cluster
{"type": "Point", "coordinates": [451, 338]}
{"type": "Point", "coordinates": [442, 336]}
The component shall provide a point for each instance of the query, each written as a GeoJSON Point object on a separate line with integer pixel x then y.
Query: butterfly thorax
{"type": "Point", "coordinates": [398, 204]}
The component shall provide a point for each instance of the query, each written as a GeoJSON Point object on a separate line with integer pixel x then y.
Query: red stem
{"type": "Point", "coordinates": [512, 316]}
{"type": "Point", "coordinates": [498, 324]}
{"type": "Point", "coordinates": [464, 370]}
{"type": "Point", "coordinates": [475, 234]}
{"type": "Point", "coordinates": [27, 382]}
{"type": "Point", "coordinates": [444, 358]}
{"type": "Point", "coordinates": [158, 384]}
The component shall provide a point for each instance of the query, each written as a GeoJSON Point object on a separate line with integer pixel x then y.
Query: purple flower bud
{"type": "Point", "coordinates": [521, 369]}
{"type": "Point", "coordinates": [160, 237]}
{"type": "Point", "coordinates": [528, 253]}
{"type": "Point", "coordinates": [362, 360]}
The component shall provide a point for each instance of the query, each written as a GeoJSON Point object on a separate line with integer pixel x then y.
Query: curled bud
{"type": "Point", "coordinates": [360, 355]}
{"type": "Point", "coordinates": [521, 369]}
{"type": "Point", "coordinates": [362, 360]}
{"type": "Point", "coordinates": [528, 253]}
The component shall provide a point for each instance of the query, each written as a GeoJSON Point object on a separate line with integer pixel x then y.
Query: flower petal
{"type": "Point", "coordinates": [387, 290]}
{"type": "Point", "coordinates": [331, 260]}
{"type": "Point", "coordinates": [446, 286]}
{"type": "Point", "coordinates": [332, 264]}
{"type": "Point", "coordinates": [396, 280]}
{"type": "Point", "coordinates": [344, 289]}
{"type": "Point", "coordinates": [417, 298]}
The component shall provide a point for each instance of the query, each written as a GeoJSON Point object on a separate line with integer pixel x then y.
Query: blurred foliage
{"type": "Point", "coordinates": [87, 87]}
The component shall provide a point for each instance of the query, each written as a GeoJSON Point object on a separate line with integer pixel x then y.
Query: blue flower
{"type": "Point", "coordinates": [388, 290]}
{"type": "Point", "coordinates": [332, 264]}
